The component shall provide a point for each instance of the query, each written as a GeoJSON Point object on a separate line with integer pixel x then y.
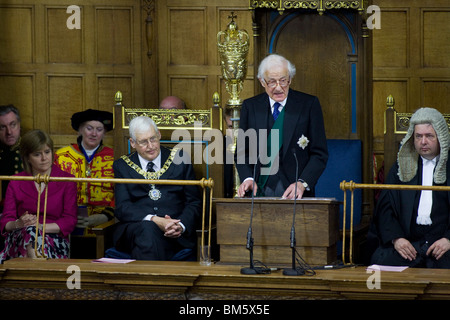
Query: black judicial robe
{"type": "Point", "coordinates": [396, 211]}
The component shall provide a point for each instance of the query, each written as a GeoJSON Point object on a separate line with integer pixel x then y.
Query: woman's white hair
{"type": "Point", "coordinates": [273, 60]}
{"type": "Point", "coordinates": [141, 124]}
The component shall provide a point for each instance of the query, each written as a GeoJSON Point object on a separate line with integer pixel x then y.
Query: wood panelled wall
{"type": "Point", "coordinates": [188, 60]}
{"type": "Point", "coordinates": [411, 60]}
{"type": "Point", "coordinates": [50, 71]}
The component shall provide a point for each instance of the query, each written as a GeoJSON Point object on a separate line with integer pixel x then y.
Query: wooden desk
{"type": "Point", "coordinates": [173, 280]}
{"type": "Point", "coordinates": [316, 226]}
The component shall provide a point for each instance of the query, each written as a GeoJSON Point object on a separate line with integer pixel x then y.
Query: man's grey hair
{"type": "Point", "coordinates": [9, 108]}
{"type": "Point", "coordinates": [273, 60]}
{"type": "Point", "coordinates": [141, 124]}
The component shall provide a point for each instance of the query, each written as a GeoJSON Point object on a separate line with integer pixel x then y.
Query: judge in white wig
{"type": "Point", "coordinates": [413, 226]}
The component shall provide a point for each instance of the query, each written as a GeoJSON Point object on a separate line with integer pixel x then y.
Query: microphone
{"type": "Point", "coordinates": [294, 271]}
{"type": "Point", "coordinates": [252, 269]}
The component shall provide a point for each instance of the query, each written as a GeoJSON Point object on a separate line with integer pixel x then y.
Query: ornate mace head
{"type": "Point", "coordinates": [233, 45]}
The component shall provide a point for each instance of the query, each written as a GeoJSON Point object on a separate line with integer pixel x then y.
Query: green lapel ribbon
{"type": "Point", "coordinates": [278, 127]}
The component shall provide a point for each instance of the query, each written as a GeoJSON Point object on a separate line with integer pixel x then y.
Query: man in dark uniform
{"type": "Point", "coordinates": [10, 161]}
{"type": "Point", "coordinates": [156, 221]}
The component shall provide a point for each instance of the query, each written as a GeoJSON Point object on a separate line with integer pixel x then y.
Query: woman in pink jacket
{"type": "Point", "coordinates": [18, 222]}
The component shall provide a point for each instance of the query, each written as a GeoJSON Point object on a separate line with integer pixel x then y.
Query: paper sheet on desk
{"type": "Point", "coordinates": [110, 260]}
{"type": "Point", "coordinates": [386, 268]}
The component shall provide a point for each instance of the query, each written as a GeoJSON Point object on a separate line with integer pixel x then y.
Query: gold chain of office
{"type": "Point", "coordinates": [151, 175]}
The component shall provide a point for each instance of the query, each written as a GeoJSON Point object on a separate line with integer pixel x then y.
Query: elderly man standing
{"type": "Point", "coordinates": [156, 221]}
{"type": "Point", "coordinates": [295, 120]}
{"type": "Point", "coordinates": [413, 227]}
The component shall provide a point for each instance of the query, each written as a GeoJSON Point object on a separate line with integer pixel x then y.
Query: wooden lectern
{"type": "Point", "coordinates": [316, 228]}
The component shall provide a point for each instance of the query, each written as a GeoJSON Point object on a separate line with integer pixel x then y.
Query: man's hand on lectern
{"type": "Point", "coordinates": [290, 191]}
{"type": "Point", "coordinates": [246, 186]}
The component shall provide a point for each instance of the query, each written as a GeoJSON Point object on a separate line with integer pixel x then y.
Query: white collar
{"type": "Point", "coordinates": [272, 102]}
{"type": "Point", "coordinates": [433, 161]}
{"type": "Point", "coordinates": [89, 152]}
{"type": "Point", "coordinates": [156, 162]}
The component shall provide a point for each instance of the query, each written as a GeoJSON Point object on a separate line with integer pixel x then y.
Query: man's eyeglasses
{"type": "Point", "coordinates": [272, 83]}
{"type": "Point", "coordinates": [146, 142]}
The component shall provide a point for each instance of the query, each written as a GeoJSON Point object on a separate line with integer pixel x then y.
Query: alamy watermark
{"type": "Point", "coordinates": [74, 280]}
{"type": "Point", "coordinates": [373, 19]}
{"type": "Point", "coordinates": [251, 147]}
{"type": "Point", "coordinates": [74, 21]}
{"type": "Point", "coordinates": [374, 280]}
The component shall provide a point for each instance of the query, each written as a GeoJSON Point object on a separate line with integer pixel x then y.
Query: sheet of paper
{"type": "Point", "coordinates": [386, 268]}
{"type": "Point", "coordinates": [110, 260]}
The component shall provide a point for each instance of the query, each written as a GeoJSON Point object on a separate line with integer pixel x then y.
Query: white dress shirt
{"type": "Point", "coordinates": [426, 196]}
{"type": "Point", "coordinates": [272, 102]}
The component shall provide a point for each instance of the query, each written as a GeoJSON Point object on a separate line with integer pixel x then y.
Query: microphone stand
{"type": "Point", "coordinates": [252, 269]}
{"type": "Point", "coordinates": [294, 271]}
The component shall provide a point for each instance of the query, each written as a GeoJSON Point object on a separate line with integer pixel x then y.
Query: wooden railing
{"type": "Point", "coordinates": [351, 186]}
{"type": "Point", "coordinates": [203, 183]}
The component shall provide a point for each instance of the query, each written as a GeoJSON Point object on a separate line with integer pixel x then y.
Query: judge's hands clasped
{"type": "Point", "coordinates": [408, 252]}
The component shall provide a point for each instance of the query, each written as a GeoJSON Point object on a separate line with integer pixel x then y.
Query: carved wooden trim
{"type": "Point", "coordinates": [320, 5]}
{"type": "Point", "coordinates": [149, 7]}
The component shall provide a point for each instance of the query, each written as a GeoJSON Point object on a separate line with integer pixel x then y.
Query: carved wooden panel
{"type": "Point", "coordinates": [436, 36]}
{"type": "Point", "coordinates": [381, 89]}
{"type": "Point", "coordinates": [16, 23]}
{"type": "Point", "coordinates": [322, 59]}
{"type": "Point", "coordinates": [391, 41]}
{"type": "Point", "coordinates": [21, 89]}
{"type": "Point", "coordinates": [187, 35]}
{"type": "Point", "coordinates": [192, 90]}
{"type": "Point", "coordinates": [63, 45]}
{"type": "Point", "coordinates": [50, 71]}
{"type": "Point", "coordinates": [411, 60]}
{"type": "Point", "coordinates": [114, 35]}
{"type": "Point", "coordinates": [188, 61]}
{"type": "Point", "coordinates": [436, 93]}
{"type": "Point", "coordinates": [106, 86]}
{"type": "Point", "coordinates": [62, 106]}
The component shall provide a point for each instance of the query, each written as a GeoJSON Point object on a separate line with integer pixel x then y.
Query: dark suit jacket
{"type": "Point", "coordinates": [303, 116]}
{"type": "Point", "coordinates": [177, 201]}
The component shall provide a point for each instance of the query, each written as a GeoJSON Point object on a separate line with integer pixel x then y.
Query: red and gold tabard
{"type": "Point", "coordinates": [95, 196]}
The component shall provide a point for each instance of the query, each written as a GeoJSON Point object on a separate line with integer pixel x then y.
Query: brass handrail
{"type": "Point", "coordinates": [203, 183]}
{"type": "Point", "coordinates": [344, 185]}
{"type": "Point", "coordinates": [38, 177]}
